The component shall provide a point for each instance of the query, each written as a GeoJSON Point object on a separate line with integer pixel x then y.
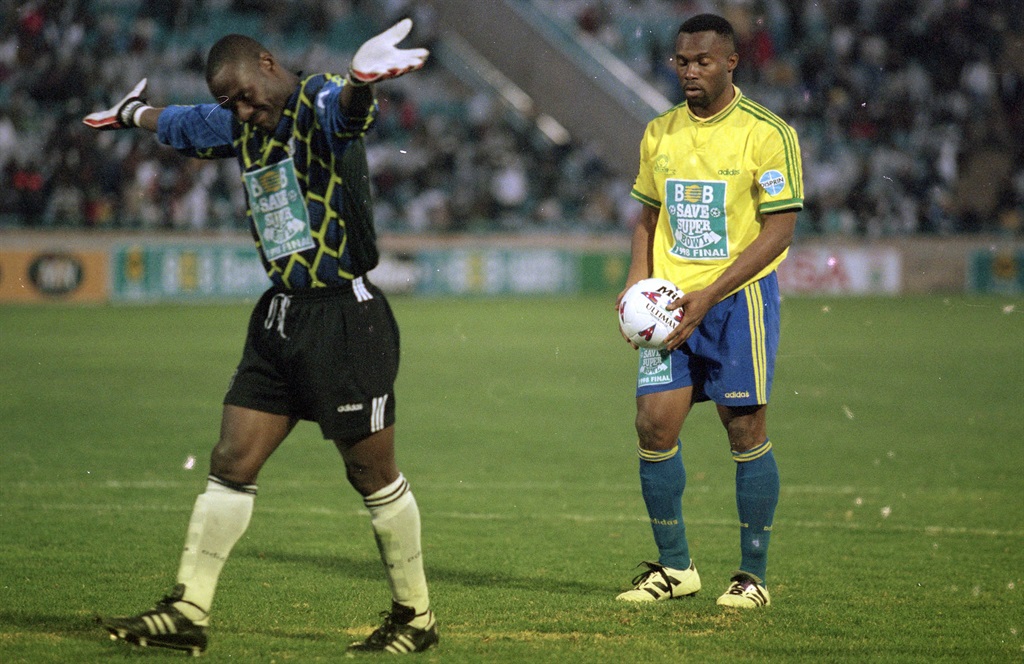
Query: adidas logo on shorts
{"type": "Point", "coordinates": [350, 408]}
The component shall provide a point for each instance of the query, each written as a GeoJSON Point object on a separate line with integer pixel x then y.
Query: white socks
{"type": "Point", "coordinates": [396, 524]}
{"type": "Point", "coordinates": [221, 516]}
{"type": "Point", "coordinates": [219, 519]}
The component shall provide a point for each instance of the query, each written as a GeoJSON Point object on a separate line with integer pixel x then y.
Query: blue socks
{"type": "Point", "coordinates": [757, 494]}
{"type": "Point", "coordinates": [662, 480]}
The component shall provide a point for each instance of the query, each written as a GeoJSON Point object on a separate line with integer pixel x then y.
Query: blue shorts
{"type": "Point", "coordinates": [729, 358]}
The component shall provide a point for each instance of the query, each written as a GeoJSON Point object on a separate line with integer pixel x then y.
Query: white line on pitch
{"type": "Point", "coordinates": [780, 524]}
{"type": "Point", "coordinates": [457, 485]}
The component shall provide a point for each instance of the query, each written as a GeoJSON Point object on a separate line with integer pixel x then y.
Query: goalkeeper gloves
{"type": "Point", "coordinates": [379, 58]}
{"type": "Point", "coordinates": [123, 114]}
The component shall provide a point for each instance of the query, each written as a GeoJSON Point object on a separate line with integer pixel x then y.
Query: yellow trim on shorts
{"type": "Point", "coordinates": [758, 349]}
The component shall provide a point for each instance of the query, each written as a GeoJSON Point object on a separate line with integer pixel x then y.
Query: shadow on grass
{"type": "Point", "coordinates": [50, 628]}
{"type": "Point", "coordinates": [49, 623]}
{"type": "Point", "coordinates": [361, 568]}
{"type": "Point", "coordinates": [87, 629]}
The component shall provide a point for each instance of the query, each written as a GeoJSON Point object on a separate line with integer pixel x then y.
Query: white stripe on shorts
{"type": "Point", "coordinates": [362, 292]}
{"type": "Point", "coordinates": [377, 416]}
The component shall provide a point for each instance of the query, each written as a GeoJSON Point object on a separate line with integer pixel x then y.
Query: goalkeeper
{"type": "Point", "coordinates": [322, 343]}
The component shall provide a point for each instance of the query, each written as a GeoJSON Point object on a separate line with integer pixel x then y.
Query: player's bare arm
{"type": "Point", "coordinates": [642, 254]}
{"type": "Point", "coordinates": [775, 237]}
{"type": "Point", "coordinates": [147, 119]}
{"type": "Point", "coordinates": [641, 249]}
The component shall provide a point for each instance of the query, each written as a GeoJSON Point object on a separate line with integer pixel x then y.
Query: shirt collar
{"type": "Point", "coordinates": [722, 113]}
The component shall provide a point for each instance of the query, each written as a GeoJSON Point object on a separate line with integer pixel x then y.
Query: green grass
{"type": "Point", "coordinates": [897, 424]}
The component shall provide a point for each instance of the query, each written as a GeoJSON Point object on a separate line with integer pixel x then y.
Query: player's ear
{"type": "Point", "coordinates": [732, 61]}
{"type": "Point", "coordinates": [267, 62]}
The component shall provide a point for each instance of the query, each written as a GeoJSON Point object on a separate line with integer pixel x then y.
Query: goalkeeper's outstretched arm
{"type": "Point", "coordinates": [378, 59]}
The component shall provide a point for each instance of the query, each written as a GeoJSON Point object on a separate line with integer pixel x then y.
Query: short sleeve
{"type": "Point", "coordinates": [780, 172]}
{"type": "Point", "coordinates": [644, 187]}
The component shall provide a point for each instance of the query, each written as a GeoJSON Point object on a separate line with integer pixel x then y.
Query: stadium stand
{"type": "Point", "coordinates": [910, 112]}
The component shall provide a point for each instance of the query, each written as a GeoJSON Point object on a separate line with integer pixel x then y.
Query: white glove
{"type": "Point", "coordinates": [379, 59]}
{"type": "Point", "coordinates": [122, 114]}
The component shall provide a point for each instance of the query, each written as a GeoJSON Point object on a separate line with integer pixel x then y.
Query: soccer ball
{"type": "Point", "coordinates": [642, 314]}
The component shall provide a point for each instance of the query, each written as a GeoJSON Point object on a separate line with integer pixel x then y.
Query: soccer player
{"type": "Point", "coordinates": [322, 343]}
{"type": "Point", "coordinates": [720, 181]}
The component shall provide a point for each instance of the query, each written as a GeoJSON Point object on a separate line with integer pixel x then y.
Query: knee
{"type": "Point", "coordinates": [745, 436]}
{"type": "Point", "coordinates": [226, 462]}
{"type": "Point", "coordinates": [654, 434]}
{"type": "Point", "coordinates": [370, 463]}
{"type": "Point", "coordinates": [368, 478]}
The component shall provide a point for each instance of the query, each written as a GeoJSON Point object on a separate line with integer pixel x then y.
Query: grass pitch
{"type": "Point", "coordinates": [897, 425]}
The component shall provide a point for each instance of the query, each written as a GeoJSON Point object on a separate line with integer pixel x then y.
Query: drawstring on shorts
{"type": "Point", "coordinates": [278, 310]}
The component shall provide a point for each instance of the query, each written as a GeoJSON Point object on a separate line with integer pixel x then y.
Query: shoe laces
{"type": "Point", "coordinates": [386, 632]}
{"type": "Point", "coordinates": [652, 569]}
{"type": "Point", "coordinates": [740, 585]}
{"type": "Point", "coordinates": [176, 595]}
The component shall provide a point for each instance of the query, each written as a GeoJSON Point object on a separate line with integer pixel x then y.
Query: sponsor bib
{"type": "Point", "coordinates": [655, 367]}
{"type": "Point", "coordinates": [278, 209]}
{"type": "Point", "coordinates": [696, 214]}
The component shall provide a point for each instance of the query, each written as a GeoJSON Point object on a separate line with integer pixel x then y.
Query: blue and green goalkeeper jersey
{"type": "Point", "coordinates": [307, 185]}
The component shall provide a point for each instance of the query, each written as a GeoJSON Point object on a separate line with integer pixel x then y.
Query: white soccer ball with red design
{"type": "Point", "coordinates": [643, 317]}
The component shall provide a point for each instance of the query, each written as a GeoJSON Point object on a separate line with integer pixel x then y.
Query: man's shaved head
{"type": "Point", "coordinates": [232, 49]}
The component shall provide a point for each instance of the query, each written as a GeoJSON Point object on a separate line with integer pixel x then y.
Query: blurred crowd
{"type": "Point", "coordinates": [910, 113]}
{"type": "Point", "coordinates": [444, 157]}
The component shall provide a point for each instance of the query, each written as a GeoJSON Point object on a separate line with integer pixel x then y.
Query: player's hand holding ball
{"type": "Point", "coordinates": [379, 58]}
{"type": "Point", "coordinates": [644, 319]}
{"type": "Point", "coordinates": [121, 115]}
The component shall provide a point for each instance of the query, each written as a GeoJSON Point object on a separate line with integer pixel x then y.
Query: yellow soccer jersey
{"type": "Point", "coordinates": [712, 179]}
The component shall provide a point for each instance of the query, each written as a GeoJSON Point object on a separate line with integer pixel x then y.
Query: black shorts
{"type": "Point", "coordinates": [329, 355]}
